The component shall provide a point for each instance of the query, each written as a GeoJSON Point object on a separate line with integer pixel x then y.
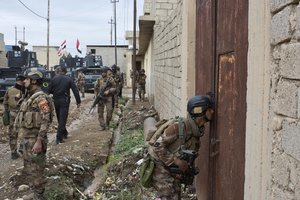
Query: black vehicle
{"type": "Point", "coordinates": [8, 79]}
{"type": "Point", "coordinates": [71, 64]}
{"type": "Point", "coordinates": [91, 75]}
{"type": "Point", "coordinates": [93, 61]}
{"type": "Point", "coordinates": [18, 61]}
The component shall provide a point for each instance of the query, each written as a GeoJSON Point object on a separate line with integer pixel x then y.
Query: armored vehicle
{"type": "Point", "coordinates": [7, 79]}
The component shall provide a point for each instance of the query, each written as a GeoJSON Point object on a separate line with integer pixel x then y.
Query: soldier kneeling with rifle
{"type": "Point", "coordinates": [176, 149]}
{"type": "Point", "coordinates": [105, 88]}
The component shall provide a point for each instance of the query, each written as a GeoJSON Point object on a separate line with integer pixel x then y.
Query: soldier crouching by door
{"type": "Point", "coordinates": [34, 119]}
{"type": "Point", "coordinates": [106, 87]}
{"type": "Point", "coordinates": [176, 149]}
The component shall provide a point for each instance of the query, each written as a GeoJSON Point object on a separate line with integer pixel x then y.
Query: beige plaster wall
{"type": "Point", "coordinates": [258, 138]}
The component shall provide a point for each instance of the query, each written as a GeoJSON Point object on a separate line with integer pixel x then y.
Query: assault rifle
{"type": "Point", "coordinates": [100, 96]}
{"type": "Point", "coordinates": [187, 177]}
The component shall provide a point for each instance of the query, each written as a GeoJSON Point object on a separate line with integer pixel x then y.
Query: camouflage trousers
{"type": "Point", "coordinates": [81, 89]}
{"type": "Point", "coordinates": [142, 91]}
{"type": "Point", "coordinates": [168, 188]}
{"type": "Point", "coordinates": [109, 110]}
{"type": "Point", "coordinates": [12, 133]}
{"type": "Point", "coordinates": [34, 164]}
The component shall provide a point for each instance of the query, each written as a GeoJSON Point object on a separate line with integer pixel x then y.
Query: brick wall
{"type": "Point", "coordinates": [285, 99]}
{"type": "Point", "coordinates": [167, 57]}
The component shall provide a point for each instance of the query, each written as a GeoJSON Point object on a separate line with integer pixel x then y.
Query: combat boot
{"type": "Point", "coordinates": [14, 155]}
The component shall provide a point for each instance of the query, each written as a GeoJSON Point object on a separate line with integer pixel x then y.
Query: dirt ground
{"type": "Point", "coordinates": [75, 160]}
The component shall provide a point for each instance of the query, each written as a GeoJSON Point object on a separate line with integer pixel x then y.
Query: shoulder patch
{"type": "Point", "coordinates": [43, 104]}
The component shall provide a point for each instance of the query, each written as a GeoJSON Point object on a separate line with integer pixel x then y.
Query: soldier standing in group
{"type": "Point", "coordinates": [167, 150]}
{"type": "Point", "coordinates": [34, 119]}
{"type": "Point", "coordinates": [81, 82]}
{"type": "Point", "coordinates": [11, 98]}
{"type": "Point", "coordinates": [117, 78]}
{"type": "Point", "coordinates": [60, 87]}
{"type": "Point", "coordinates": [106, 87]}
{"type": "Point", "coordinates": [142, 84]}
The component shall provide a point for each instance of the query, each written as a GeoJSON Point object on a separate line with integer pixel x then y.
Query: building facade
{"type": "Point", "coordinates": [41, 53]}
{"type": "Point", "coordinates": [108, 56]}
{"type": "Point", "coordinates": [251, 63]}
{"type": "Point", "coordinates": [3, 59]}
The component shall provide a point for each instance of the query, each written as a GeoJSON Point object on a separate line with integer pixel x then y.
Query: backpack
{"type": "Point", "coordinates": [148, 165]}
{"type": "Point", "coordinates": [146, 171]}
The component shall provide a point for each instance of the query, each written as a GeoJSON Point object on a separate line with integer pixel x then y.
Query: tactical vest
{"type": "Point", "coordinates": [183, 142]}
{"type": "Point", "coordinates": [12, 92]}
{"type": "Point", "coordinates": [32, 119]}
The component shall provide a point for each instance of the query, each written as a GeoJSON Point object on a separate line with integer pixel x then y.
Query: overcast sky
{"type": "Point", "coordinates": [69, 19]}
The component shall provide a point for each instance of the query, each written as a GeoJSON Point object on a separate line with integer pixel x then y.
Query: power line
{"type": "Point", "coordinates": [32, 10]}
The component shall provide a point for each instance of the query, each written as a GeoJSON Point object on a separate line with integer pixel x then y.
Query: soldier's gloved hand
{"type": "Point", "coordinates": [182, 164]}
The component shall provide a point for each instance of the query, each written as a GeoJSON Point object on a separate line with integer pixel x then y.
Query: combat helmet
{"type": "Point", "coordinates": [197, 105]}
{"type": "Point", "coordinates": [34, 73]}
{"type": "Point", "coordinates": [20, 77]}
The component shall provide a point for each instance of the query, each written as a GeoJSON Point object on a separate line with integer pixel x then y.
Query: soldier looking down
{"type": "Point", "coordinates": [34, 119]}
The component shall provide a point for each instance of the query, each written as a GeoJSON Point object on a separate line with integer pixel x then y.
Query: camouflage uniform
{"type": "Point", "coordinates": [81, 83]}
{"type": "Point", "coordinates": [164, 151]}
{"type": "Point", "coordinates": [117, 78]}
{"type": "Point", "coordinates": [100, 83]}
{"type": "Point", "coordinates": [34, 119]}
{"type": "Point", "coordinates": [10, 102]}
{"type": "Point", "coordinates": [142, 86]}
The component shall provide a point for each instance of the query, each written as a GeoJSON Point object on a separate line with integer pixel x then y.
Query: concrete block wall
{"type": "Point", "coordinates": [3, 60]}
{"type": "Point", "coordinates": [285, 99]}
{"type": "Point", "coordinates": [164, 8]}
{"type": "Point", "coordinates": [167, 58]}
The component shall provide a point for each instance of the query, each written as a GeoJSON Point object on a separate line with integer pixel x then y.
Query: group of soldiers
{"type": "Point", "coordinates": [31, 112]}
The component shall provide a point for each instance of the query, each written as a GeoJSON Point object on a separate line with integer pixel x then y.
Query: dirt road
{"type": "Point", "coordinates": [75, 160]}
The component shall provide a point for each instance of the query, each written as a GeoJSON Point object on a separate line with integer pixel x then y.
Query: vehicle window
{"type": "Point", "coordinates": [92, 72]}
{"type": "Point", "coordinates": [8, 74]}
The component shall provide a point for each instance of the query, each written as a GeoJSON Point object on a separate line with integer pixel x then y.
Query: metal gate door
{"type": "Point", "coordinates": [222, 41]}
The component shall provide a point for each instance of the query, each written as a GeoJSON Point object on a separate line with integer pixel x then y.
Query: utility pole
{"type": "Point", "coordinates": [115, 23]}
{"type": "Point", "coordinates": [134, 54]}
{"type": "Point", "coordinates": [23, 33]}
{"type": "Point", "coordinates": [48, 27]}
{"type": "Point", "coordinates": [16, 36]}
{"type": "Point", "coordinates": [111, 22]}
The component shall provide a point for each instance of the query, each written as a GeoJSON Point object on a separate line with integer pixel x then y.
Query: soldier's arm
{"type": "Point", "coordinates": [96, 87]}
{"type": "Point", "coordinates": [160, 147]}
{"type": "Point", "coordinates": [75, 91]}
{"type": "Point", "coordinates": [45, 111]}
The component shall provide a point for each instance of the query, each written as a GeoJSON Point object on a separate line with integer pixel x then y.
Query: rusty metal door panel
{"type": "Point", "coordinates": [204, 78]}
{"type": "Point", "coordinates": [229, 173]}
{"type": "Point", "coordinates": [221, 67]}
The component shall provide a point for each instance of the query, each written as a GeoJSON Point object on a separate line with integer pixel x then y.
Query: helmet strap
{"type": "Point", "coordinates": [196, 130]}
